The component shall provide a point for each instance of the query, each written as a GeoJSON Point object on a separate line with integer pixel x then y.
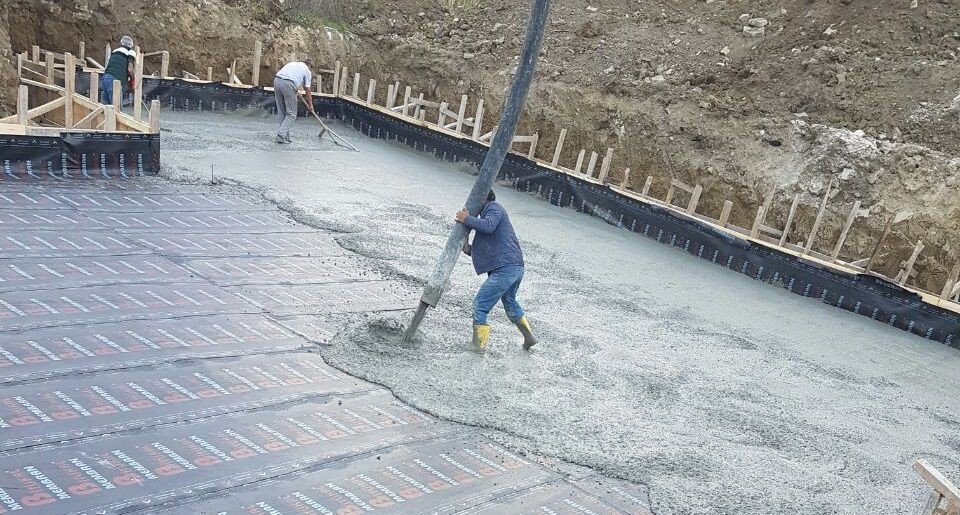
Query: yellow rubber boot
{"type": "Point", "coordinates": [481, 334]}
{"type": "Point", "coordinates": [529, 340]}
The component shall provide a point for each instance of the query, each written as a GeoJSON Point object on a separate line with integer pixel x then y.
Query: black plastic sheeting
{"type": "Point", "coordinates": [79, 154]}
{"type": "Point", "coordinates": [868, 296]}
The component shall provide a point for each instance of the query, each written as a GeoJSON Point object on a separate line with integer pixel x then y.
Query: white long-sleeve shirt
{"type": "Point", "coordinates": [298, 73]}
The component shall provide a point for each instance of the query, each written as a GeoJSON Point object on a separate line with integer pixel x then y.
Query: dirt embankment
{"type": "Point", "coordinates": [739, 97]}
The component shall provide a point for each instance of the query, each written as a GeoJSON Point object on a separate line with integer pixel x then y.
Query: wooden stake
{"type": "Point", "coordinates": [605, 166]}
{"type": "Point", "coordinates": [478, 120]}
{"type": "Point", "coordinates": [356, 85]}
{"type": "Point", "coordinates": [83, 52]}
{"type": "Point", "coordinates": [371, 91]}
{"type": "Point", "coordinates": [257, 54]}
{"type": "Point", "coordinates": [95, 86]}
{"type": "Point", "coordinates": [343, 82]}
{"type": "Point", "coordinates": [336, 78]}
{"type": "Point", "coordinates": [816, 222]}
{"type": "Point", "coordinates": [725, 213]}
{"type": "Point", "coordinates": [767, 202]}
{"type": "Point", "coordinates": [625, 183]}
{"type": "Point", "coordinates": [556, 151]}
{"type": "Point", "coordinates": [670, 192]}
{"type": "Point", "coordinates": [390, 96]}
{"type": "Point", "coordinates": [880, 242]}
{"type": "Point", "coordinates": [106, 56]}
{"type": "Point", "coordinates": [531, 154]}
{"type": "Point", "coordinates": [69, 87]}
{"type": "Point", "coordinates": [757, 222]}
{"type": "Point", "coordinates": [209, 73]}
{"type": "Point", "coordinates": [461, 113]}
{"type": "Point", "coordinates": [155, 116]}
{"type": "Point", "coordinates": [846, 228]}
{"type": "Point", "coordinates": [420, 112]}
{"type": "Point", "coordinates": [164, 64]}
{"type": "Point", "coordinates": [117, 89]}
{"type": "Point", "coordinates": [592, 164]}
{"type": "Point", "coordinates": [20, 65]}
{"type": "Point", "coordinates": [23, 105]}
{"type": "Point", "coordinates": [793, 212]}
{"type": "Point", "coordinates": [36, 53]}
{"type": "Point", "coordinates": [406, 101]}
{"type": "Point", "coordinates": [907, 270]}
{"type": "Point", "coordinates": [49, 63]}
{"type": "Point", "coordinates": [694, 199]}
{"type": "Point", "coordinates": [580, 160]}
{"type": "Point", "coordinates": [951, 282]}
{"type": "Point", "coordinates": [442, 117]}
{"type": "Point", "coordinates": [138, 88]}
{"type": "Point", "coordinates": [646, 186]}
{"type": "Point", "coordinates": [110, 117]}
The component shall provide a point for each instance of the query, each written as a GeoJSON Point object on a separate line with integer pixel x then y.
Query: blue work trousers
{"type": "Point", "coordinates": [106, 88]}
{"type": "Point", "coordinates": [501, 285]}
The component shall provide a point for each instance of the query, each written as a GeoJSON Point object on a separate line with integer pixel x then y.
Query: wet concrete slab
{"type": "Point", "coordinates": [158, 353]}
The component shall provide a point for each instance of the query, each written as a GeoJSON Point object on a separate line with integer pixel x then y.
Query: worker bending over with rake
{"type": "Point", "coordinates": [495, 252]}
{"type": "Point", "coordinates": [289, 79]}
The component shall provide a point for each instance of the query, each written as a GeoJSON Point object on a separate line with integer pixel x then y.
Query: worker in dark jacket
{"type": "Point", "coordinates": [495, 252]}
{"type": "Point", "coordinates": [119, 67]}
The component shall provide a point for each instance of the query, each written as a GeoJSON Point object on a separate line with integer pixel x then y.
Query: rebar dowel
{"type": "Point", "coordinates": [499, 147]}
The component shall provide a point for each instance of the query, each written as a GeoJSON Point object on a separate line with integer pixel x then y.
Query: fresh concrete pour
{"type": "Point", "coordinates": [721, 394]}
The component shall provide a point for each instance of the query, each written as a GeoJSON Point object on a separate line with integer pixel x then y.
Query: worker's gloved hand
{"type": "Point", "coordinates": [467, 248]}
{"type": "Point", "coordinates": [462, 215]}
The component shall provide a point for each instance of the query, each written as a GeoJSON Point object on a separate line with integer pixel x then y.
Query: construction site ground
{"type": "Point", "coordinates": [226, 339]}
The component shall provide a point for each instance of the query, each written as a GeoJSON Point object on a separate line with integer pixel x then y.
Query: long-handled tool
{"type": "Point", "coordinates": [324, 129]}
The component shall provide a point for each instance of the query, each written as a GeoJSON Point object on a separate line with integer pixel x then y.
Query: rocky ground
{"type": "Point", "coordinates": [741, 97]}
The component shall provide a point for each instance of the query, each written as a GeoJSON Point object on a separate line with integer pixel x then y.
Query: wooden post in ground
{"type": "Point", "coordinates": [155, 116]}
{"type": "Point", "coordinates": [138, 88]}
{"type": "Point", "coordinates": [907, 270]}
{"type": "Point", "coordinates": [694, 199]}
{"type": "Point", "coordinates": [951, 282]}
{"type": "Point", "coordinates": [421, 112]}
{"type": "Point", "coordinates": [257, 54]}
{"type": "Point", "coordinates": [117, 90]}
{"type": "Point", "coordinates": [82, 55]}
{"type": "Point", "coordinates": [106, 55]}
{"type": "Point", "coordinates": [406, 101]}
{"type": "Point", "coordinates": [790, 215]}
{"type": "Point", "coordinates": [442, 115]}
{"type": "Point", "coordinates": [19, 65]}
{"type": "Point", "coordinates": [592, 164]}
{"type": "Point", "coordinates": [390, 96]}
{"type": "Point", "coordinates": [371, 91]}
{"type": "Point", "coordinates": [110, 118]}
{"type": "Point", "coordinates": [95, 86]}
{"type": "Point", "coordinates": [880, 242]}
{"type": "Point", "coordinates": [36, 53]}
{"type": "Point", "coordinates": [356, 85]}
{"type": "Point", "coordinates": [625, 182]}
{"type": "Point", "coordinates": [49, 64]}
{"type": "Point", "coordinates": [725, 213]}
{"type": "Point", "coordinates": [605, 166]}
{"type": "Point", "coordinates": [580, 160]}
{"type": "Point", "coordinates": [846, 228]}
{"type": "Point", "coordinates": [670, 191]}
{"type": "Point", "coordinates": [164, 64]}
{"type": "Point", "coordinates": [556, 151]}
{"type": "Point", "coordinates": [478, 121]}
{"type": "Point", "coordinates": [69, 87]}
{"type": "Point", "coordinates": [757, 222]}
{"type": "Point", "coordinates": [23, 105]}
{"type": "Point", "coordinates": [532, 153]}
{"type": "Point", "coordinates": [336, 78]}
{"type": "Point", "coordinates": [209, 73]}
{"type": "Point", "coordinates": [816, 222]}
{"type": "Point", "coordinates": [461, 113]}
{"type": "Point", "coordinates": [342, 87]}
{"type": "Point", "coordinates": [646, 186]}
{"type": "Point", "coordinates": [767, 202]}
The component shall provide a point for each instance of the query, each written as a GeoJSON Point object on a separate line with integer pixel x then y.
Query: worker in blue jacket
{"type": "Point", "coordinates": [495, 252]}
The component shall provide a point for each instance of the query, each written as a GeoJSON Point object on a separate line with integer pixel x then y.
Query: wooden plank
{"type": "Point", "coordinates": [846, 229]}
{"type": "Point", "coordinates": [95, 63]}
{"type": "Point", "coordinates": [36, 53]}
{"type": "Point", "coordinates": [164, 64]}
{"type": "Point", "coordinates": [938, 481]}
{"type": "Point", "coordinates": [155, 116]}
{"type": "Point", "coordinates": [210, 73]}
{"type": "Point", "coordinates": [580, 160]}
{"type": "Point", "coordinates": [592, 164]}
{"type": "Point", "coordinates": [907, 270]}
{"type": "Point", "coordinates": [406, 100]}
{"type": "Point", "coordinates": [694, 199]}
{"type": "Point", "coordinates": [69, 86]}
{"type": "Point", "coordinates": [343, 82]}
{"type": "Point", "coordinates": [23, 105]}
{"type": "Point", "coordinates": [138, 88]}
{"type": "Point", "coordinates": [559, 147]}
{"type": "Point", "coordinates": [876, 250]}
{"type": "Point", "coordinates": [790, 216]}
{"type": "Point", "coordinates": [625, 182]}
{"type": "Point", "coordinates": [725, 213]}
{"type": "Point", "coordinates": [951, 282]}
{"type": "Point", "coordinates": [531, 153]}
{"type": "Point", "coordinates": [257, 55]}
{"type": "Point", "coordinates": [49, 63]}
{"type": "Point", "coordinates": [391, 95]}
{"type": "Point", "coordinates": [19, 65]}
{"type": "Point", "coordinates": [461, 113]}
{"type": "Point", "coordinates": [356, 85]}
{"type": "Point", "coordinates": [109, 118]}
{"type": "Point", "coordinates": [768, 201]}
{"type": "Point", "coordinates": [670, 192]}
{"type": "Point", "coordinates": [95, 86]}
{"type": "Point", "coordinates": [816, 222]}
{"type": "Point", "coordinates": [441, 118]}
{"type": "Point", "coordinates": [188, 75]}
{"type": "Point", "coordinates": [87, 121]}
{"type": "Point", "coordinates": [336, 79]}
{"type": "Point", "coordinates": [117, 95]}
{"type": "Point", "coordinates": [371, 91]}
{"type": "Point", "coordinates": [681, 185]}
{"type": "Point", "coordinates": [82, 55]}
{"type": "Point", "coordinates": [605, 166]}
{"type": "Point", "coordinates": [419, 112]}
{"type": "Point", "coordinates": [151, 54]}
{"type": "Point", "coordinates": [757, 222]}
{"type": "Point", "coordinates": [106, 55]}
{"type": "Point", "coordinates": [646, 186]}
{"type": "Point", "coordinates": [478, 120]}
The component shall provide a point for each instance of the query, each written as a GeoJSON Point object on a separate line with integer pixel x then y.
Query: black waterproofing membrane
{"type": "Point", "coordinates": [79, 154]}
{"type": "Point", "coordinates": [865, 295]}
